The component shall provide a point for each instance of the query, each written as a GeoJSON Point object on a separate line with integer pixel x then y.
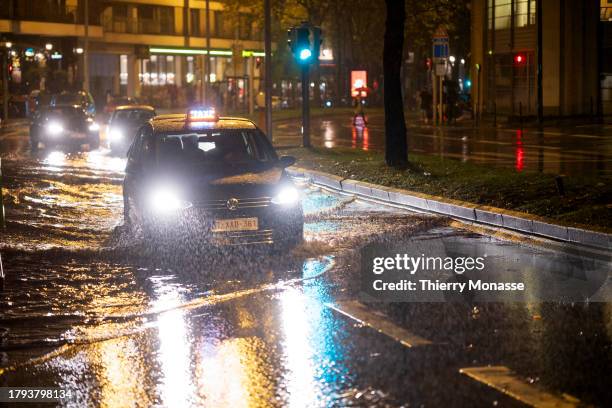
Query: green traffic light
{"type": "Point", "coordinates": [305, 54]}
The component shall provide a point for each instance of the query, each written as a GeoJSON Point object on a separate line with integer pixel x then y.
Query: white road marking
{"type": "Point", "coordinates": [505, 380]}
{"type": "Point", "coordinates": [358, 311]}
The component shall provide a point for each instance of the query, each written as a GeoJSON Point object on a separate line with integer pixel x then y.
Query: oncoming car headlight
{"type": "Point", "coordinates": [287, 196]}
{"type": "Point", "coordinates": [115, 134]}
{"type": "Point", "coordinates": [166, 201]}
{"type": "Point", "coordinates": [94, 127]}
{"type": "Point", "coordinates": [55, 128]}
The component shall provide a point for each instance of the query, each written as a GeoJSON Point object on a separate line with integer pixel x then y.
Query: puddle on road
{"type": "Point", "coordinates": [60, 200]}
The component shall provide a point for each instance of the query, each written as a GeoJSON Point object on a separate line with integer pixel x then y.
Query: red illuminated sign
{"type": "Point", "coordinates": [359, 83]}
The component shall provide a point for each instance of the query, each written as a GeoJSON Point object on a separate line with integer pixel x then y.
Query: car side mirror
{"type": "Point", "coordinates": [286, 161]}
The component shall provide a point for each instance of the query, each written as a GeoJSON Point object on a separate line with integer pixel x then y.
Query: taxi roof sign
{"type": "Point", "coordinates": [202, 114]}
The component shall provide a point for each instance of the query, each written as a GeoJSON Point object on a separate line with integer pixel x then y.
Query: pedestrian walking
{"type": "Point", "coordinates": [425, 105]}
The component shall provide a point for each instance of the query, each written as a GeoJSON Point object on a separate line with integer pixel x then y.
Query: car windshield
{"type": "Point", "coordinates": [133, 115]}
{"type": "Point", "coordinates": [67, 99]}
{"type": "Point", "coordinates": [215, 148]}
{"type": "Point", "coordinates": [66, 112]}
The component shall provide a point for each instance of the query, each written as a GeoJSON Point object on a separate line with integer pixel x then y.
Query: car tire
{"type": "Point", "coordinates": [131, 217]}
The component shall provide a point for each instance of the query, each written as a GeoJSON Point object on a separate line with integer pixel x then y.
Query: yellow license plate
{"type": "Point", "coordinates": [236, 224]}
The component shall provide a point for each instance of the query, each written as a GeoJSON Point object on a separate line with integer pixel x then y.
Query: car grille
{"type": "Point", "coordinates": [242, 203]}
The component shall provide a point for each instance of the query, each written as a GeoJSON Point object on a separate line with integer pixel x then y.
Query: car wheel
{"type": "Point", "coordinates": [131, 216]}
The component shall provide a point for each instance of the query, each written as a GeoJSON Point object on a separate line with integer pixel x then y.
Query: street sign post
{"type": "Point", "coordinates": [440, 54]}
{"type": "Point", "coordinates": [1, 199]}
{"type": "Point", "coordinates": [1, 226]}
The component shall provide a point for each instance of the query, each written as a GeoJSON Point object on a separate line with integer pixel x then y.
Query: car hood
{"type": "Point", "coordinates": [265, 177]}
{"type": "Point", "coordinates": [236, 182]}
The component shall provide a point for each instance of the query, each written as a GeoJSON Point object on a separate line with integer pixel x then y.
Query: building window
{"type": "Point", "coordinates": [499, 13]}
{"type": "Point", "coordinates": [524, 13]}
{"type": "Point", "coordinates": [158, 70]}
{"type": "Point", "coordinates": [503, 14]}
{"type": "Point", "coordinates": [194, 17]}
{"type": "Point", "coordinates": [190, 75]}
{"type": "Point", "coordinates": [170, 70]}
{"type": "Point", "coordinates": [123, 70]}
{"type": "Point", "coordinates": [223, 26]}
{"type": "Point", "coordinates": [166, 20]}
{"type": "Point", "coordinates": [155, 20]}
{"type": "Point", "coordinates": [120, 11]}
{"type": "Point", "coordinates": [606, 10]}
{"type": "Point", "coordinates": [145, 12]}
{"type": "Point", "coordinates": [246, 27]}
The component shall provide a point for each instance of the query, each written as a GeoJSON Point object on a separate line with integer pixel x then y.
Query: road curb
{"type": "Point", "coordinates": [493, 216]}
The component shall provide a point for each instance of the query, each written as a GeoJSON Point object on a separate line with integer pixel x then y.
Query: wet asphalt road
{"type": "Point", "coordinates": [570, 150]}
{"type": "Point", "coordinates": [89, 308]}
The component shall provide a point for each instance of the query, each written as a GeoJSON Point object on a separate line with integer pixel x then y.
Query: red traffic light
{"type": "Point", "coordinates": [520, 59]}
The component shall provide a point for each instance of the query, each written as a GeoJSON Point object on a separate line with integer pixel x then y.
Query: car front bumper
{"type": "Point", "coordinates": [67, 136]}
{"type": "Point", "coordinates": [274, 226]}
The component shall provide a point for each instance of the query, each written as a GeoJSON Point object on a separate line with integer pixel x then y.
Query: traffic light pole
{"type": "Point", "coordinates": [305, 107]}
{"type": "Point", "coordinates": [540, 98]}
{"type": "Point", "coordinates": [86, 47]}
{"type": "Point", "coordinates": [268, 66]}
{"type": "Point", "coordinates": [5, 85]}
{"type": "Point", "coordinates": [305, 42]}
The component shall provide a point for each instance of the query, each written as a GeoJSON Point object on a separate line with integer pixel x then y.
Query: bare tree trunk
{"type": "Point", "coordinates": [396, 146]}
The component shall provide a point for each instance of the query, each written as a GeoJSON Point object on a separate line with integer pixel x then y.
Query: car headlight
{"type": "Point", "coordinates": [286, 196]}
{"type": "Point", "coordinates": [55, 128]}
{"type": "Point", "coordinates": [165, 201]}
{"type": "Point", "coordinates": [115, 134]}
{"type": "Point", "coordinates": [94, 127]}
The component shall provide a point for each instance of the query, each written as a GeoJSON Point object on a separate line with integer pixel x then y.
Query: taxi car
{"type": "Point", "coordinates": [197, 175]}
{"type": "Point", "coordinates": [123, 124]}
{"type": "Point", "coordinates": [64, 125]}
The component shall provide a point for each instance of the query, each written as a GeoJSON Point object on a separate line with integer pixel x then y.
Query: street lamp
{"type": "Point", "coordinates": [452, 59]}
{"type": "Point", "coordinates": [78, 50]}
{"type": "Point", "coordinates": [8, 44]}
{"type": "Point", "coordinates": [462, 61]}
{"type": "Point", "coordinates": [48, 46]}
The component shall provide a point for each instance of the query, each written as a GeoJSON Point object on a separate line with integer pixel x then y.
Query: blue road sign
{"type": "Point", "coordinates": [440, 50]}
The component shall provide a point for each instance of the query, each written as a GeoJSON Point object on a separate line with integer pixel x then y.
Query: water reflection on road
{"type": "Point", "coordinates": [583, 150]}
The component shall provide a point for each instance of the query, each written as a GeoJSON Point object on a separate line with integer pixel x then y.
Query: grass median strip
{"type": "Point", "coordinates": [586, 203]}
